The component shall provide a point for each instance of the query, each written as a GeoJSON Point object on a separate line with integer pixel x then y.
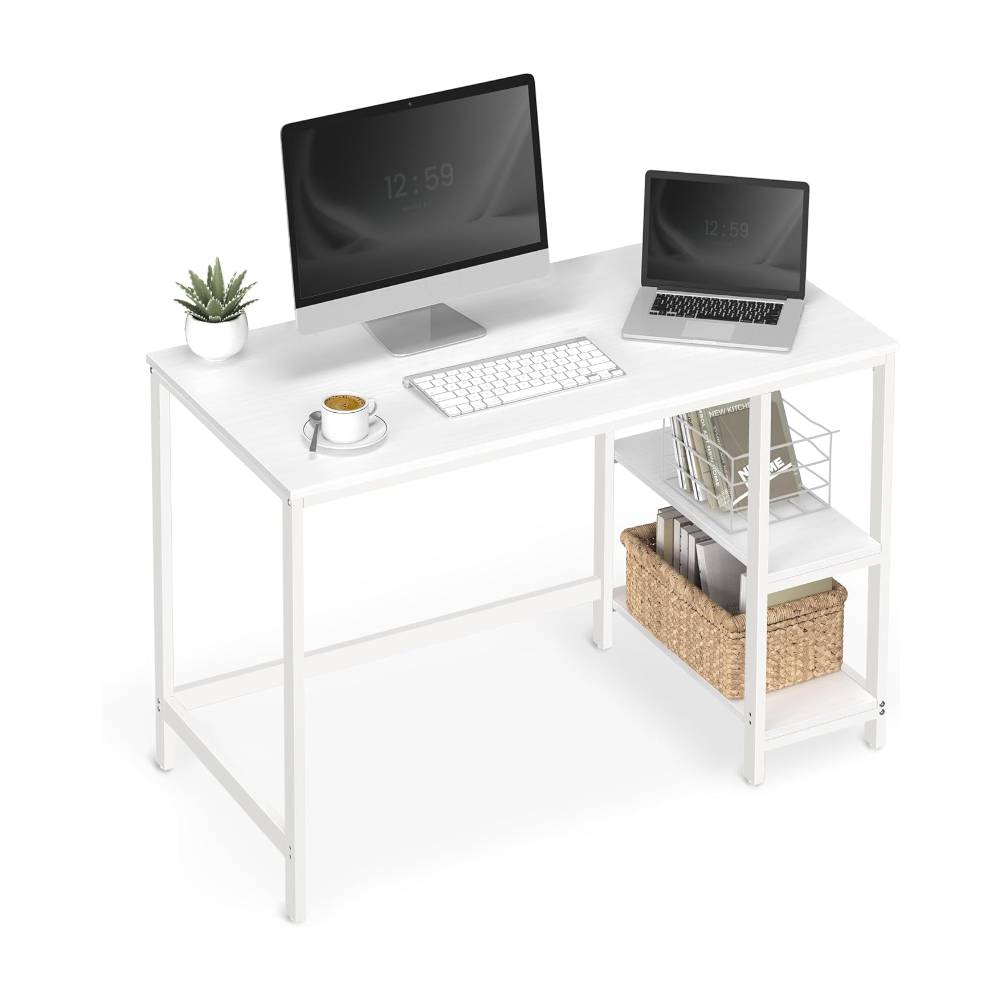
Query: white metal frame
{"type": "Point", "coordinates": [769, 720]}
{"type": "Point", "coordinates": [175, 702]}
{"type": "Point", "coordinates": [755, 676]}
{"type": "Point", "coordinates": [163, 570]}
{"type": "Point", "coordinates": [877, 673]}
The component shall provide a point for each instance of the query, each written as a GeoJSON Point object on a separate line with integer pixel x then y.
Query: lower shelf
{"type": "Point", "coordinates": [793, 713]}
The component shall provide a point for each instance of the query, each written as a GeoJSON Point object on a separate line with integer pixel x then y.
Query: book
{"type": "Point", "coordinates": [677, 435]}
{"type": "Point", "coordinates": [701, 558]}
{"type": "Point", "coordinates": [676, 556]}
{"type": "Point", "coordinates": [789, 594]}
{"type": "Point", "coordinates": [729, 430]}
{"type": "Point", "coordinates": [694, 536]}
{"type": "Point", "coordinates": [665, 533]}
{"type": "Point", "coordinates": [702, 467]}
{"type": "Point", "coordinates": [713, 459]}
{"type": "Point", "coordinates": [691, 458]}
{"type": "Point", "coordinates": [681, 554]}
{"type": "Point", "coordinates": [720, 573]}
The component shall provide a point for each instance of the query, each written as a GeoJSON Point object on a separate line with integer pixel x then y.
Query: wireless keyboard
{"type": "Point", "coordinates": [513, 378]}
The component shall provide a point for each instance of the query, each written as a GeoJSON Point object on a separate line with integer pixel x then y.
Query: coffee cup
{"type": "Point", "coordinates": [346, 417]}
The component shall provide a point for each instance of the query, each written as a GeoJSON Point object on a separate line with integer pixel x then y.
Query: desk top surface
{"type": "Point", "coordinates": [258, 401]}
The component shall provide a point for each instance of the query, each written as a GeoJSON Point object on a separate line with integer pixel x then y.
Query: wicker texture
{"type": "Point", "coordinates": [805, 638]}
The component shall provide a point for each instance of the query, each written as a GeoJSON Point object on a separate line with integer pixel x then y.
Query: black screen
{"type": "Point", "coordinates": [726, 236]}
{"type": "Point", "coordinates": [412, 188]}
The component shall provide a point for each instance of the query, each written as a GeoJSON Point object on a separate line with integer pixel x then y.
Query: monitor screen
{"type": "Point", "coordinates": [414, 188]}
{"type": "Point", "coordinates": [729, 235]}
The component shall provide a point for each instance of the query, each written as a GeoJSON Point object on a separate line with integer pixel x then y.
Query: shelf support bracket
{"type": "Point", "coordinates": [163, 576]}
{"type": "Point", "coordinates": [294, 710]}
{"type": "Point", "coordinates": [604, 529]}
{"type": "Point", "coordinates": [877, 667]}
{"type": "Point", "coordinates": [758, 517]}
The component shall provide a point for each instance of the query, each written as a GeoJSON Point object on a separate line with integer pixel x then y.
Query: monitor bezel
{"type": "Point", "coordinates": [408, 103]}
{"type": "Point", "coordinates": [779, 293]}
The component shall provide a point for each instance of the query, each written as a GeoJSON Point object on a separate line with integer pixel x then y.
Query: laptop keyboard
{"type": "Point", "coordinates": [702, 307]}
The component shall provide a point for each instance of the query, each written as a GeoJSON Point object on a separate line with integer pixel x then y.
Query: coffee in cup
{"type": "Point", "coordinates": [344, 403]}
{"type": "Point", "coordinates": [346, 417]}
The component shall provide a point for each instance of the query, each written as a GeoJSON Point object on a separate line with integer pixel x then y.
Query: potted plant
{"type": "Point", "coordinates": [216, 324]}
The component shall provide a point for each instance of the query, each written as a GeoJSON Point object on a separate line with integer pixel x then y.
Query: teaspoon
{"type": "Point", "coordinates": [315, 418]}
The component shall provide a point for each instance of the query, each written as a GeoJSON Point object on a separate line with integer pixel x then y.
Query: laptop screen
{"type": "Point", "coordinates": [728, 235]}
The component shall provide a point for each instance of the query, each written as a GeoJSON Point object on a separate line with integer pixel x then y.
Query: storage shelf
{"type": "Point", "coordinates": [799, 549]}
{"type": "Point", "coordinates": [793, 713]}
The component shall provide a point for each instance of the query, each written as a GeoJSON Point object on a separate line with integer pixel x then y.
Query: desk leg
{"type": "Point", "coordinates": [755, 669]}
{"type": "Point", "coordinates": [294, 711]}
{"type": "Point", "coordinates": [604, 527]}
{"type": "Point", "coordinates": [878, 576]}
{"type": "Point", "coordinates": [163, 576]}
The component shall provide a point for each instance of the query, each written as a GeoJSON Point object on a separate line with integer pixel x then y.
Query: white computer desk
{"type": "Point", "coordinates": [257, 403]}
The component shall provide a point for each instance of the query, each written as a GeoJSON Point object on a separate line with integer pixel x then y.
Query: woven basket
{"type": "Point", "coordinates": [805, 638]}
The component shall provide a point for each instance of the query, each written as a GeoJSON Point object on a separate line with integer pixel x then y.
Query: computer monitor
{"type": "Point", "coordinates": [393, 208]}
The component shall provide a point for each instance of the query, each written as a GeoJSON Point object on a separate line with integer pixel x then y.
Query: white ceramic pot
{"type": "Point", "coordinates": [216, 341]}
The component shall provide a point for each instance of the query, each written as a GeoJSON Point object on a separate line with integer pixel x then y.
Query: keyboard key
{"type": "Point", "coordinates": [541, 390]}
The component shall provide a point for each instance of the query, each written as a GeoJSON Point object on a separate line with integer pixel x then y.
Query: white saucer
{"type": "Point", "coordinates": [377, 432]}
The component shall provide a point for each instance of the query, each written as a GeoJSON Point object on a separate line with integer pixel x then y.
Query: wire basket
{"type": "Point", "coordinates": [801, 468]}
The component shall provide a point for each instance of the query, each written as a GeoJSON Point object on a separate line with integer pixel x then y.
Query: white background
{"type": "Point", "coordinates": [516, 814]}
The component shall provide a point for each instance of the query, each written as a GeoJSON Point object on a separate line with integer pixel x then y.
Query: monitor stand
{"type": "Point", "coordinates": [422, 330]}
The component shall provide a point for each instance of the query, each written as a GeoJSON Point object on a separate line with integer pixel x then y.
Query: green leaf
{"type": "Point", "coordinates": [242, 292]}
{"type": "Point", "coordinates": [216, 282]}
{"type": "Point", "coordinates": [195, 309]}
{"type": "Point", "coordinates": [188, 291]}
{"type": "Point", "coordinates": [214, 308]}
{"type": "Point", "coordinates": [233, 309]}
{"type": "Point", "coordinates": [238, 298]}
{"type": "Point", "coordinates": [200, 288]}
{"type": "Point", "coordinates": [234, 285]}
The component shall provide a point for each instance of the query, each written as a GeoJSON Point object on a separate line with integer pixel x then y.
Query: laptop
{"type": "Point", "coordinates": [723, 261]}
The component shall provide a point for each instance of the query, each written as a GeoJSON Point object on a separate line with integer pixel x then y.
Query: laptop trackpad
{"type": "Point", "coordinates": [700, 330]}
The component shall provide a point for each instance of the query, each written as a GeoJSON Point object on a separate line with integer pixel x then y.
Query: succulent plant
{"type": "Point", "coordinates": [214, 300]}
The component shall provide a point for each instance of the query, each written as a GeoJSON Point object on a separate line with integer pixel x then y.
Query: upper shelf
{"type": "Point", "coordinates": [799, 548]}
